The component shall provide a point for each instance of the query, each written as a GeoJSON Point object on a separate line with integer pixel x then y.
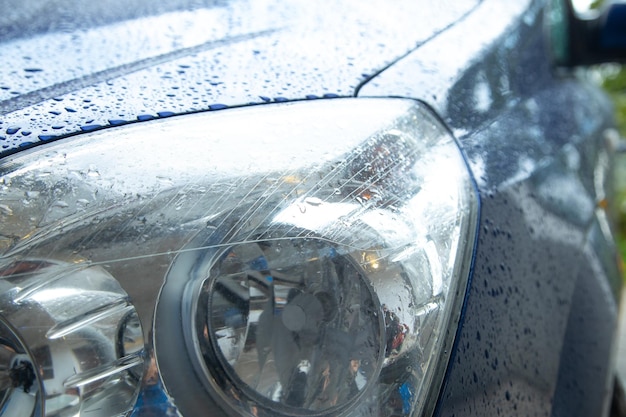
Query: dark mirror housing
{"type": "Point", "coordinates": [595, 37]}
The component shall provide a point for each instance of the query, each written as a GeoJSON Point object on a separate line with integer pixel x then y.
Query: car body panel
{"type": "Point", "coordinates": [537, 332]}
{"type": "Point", "coordinates": [175, 64]}
{"type": "Point", "coordinates": [537, 329]}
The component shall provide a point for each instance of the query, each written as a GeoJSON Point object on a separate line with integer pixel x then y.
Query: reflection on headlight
{"type": "Point", "coordinates": [294, 321]}
{"type": "Point", "coordinates": [70, 341]}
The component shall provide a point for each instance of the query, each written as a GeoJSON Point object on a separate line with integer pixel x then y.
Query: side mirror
{"type": "Point", "coordinates": [587, 39]}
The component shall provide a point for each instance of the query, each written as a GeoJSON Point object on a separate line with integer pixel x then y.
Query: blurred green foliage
{"type": "Point", "coordinates": [614, 81]}
{"type": "Point", "coordinates": [615, 84]}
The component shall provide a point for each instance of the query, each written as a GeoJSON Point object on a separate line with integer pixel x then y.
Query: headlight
{"type": "Point", "coordinates": [305, 259]}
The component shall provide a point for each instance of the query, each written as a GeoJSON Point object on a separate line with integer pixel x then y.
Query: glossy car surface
{"type": "Point", "coordinates": [536, 330]}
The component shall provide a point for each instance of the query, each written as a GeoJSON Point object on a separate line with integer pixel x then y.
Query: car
{"type": "Point", "coordinates": [291, 208]}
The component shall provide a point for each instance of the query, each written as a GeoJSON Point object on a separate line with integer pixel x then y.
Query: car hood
{"type": "Point", "coordinates": [86, 65]}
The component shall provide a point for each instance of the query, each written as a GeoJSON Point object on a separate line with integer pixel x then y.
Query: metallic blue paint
{"type": "Point", "coordinates": [537, 329]}
{"type": "Point", "coordinates": [229, 54]}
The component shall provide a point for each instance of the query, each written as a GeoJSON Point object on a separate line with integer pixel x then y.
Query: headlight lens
{"type": "Point", "coordinates": [297, 259]}
{"type": "Point", "coordinates": [292, 323]}
{"type": "Point", "coordinates": [70, 341]}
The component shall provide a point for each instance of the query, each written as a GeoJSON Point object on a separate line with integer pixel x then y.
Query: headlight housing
{"type": "Point", "coordinates": [295, 259]}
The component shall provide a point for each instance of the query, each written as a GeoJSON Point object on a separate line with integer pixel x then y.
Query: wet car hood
{"type": "Point", "coordinates": [81, 66]}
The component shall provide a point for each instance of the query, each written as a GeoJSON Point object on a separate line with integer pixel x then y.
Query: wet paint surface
{"type": "Point", "coordinates": [540, 315]}
{"type": "Point", "coordinates": [229, 54]}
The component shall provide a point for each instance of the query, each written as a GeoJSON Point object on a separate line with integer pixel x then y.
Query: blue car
{"type": "Point", "coordinates": [291, 208]}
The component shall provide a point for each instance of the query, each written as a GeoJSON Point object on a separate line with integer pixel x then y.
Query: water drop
{"type": "Point", "coordinates": [313, 201]}
{"type": "Point", "coordinates": [93, 172]}
{"type": "Point", "coordinates": [6, 210]}
{"type": "Point", "coordinates": [166, 181]}
{"type": "Point", "coordinates": [88, 128]}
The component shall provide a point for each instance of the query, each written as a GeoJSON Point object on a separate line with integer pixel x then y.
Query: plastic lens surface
{"type": "Point", "coordinates": [298, 259]}
{"type": "Point", "coordinates": [295, 321]}
{"type": "Point", "coordinates": [65, 341]}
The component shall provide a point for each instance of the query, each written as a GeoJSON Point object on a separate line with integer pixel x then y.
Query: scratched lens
{"type": "Point", "coordinates": [295, 322]}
